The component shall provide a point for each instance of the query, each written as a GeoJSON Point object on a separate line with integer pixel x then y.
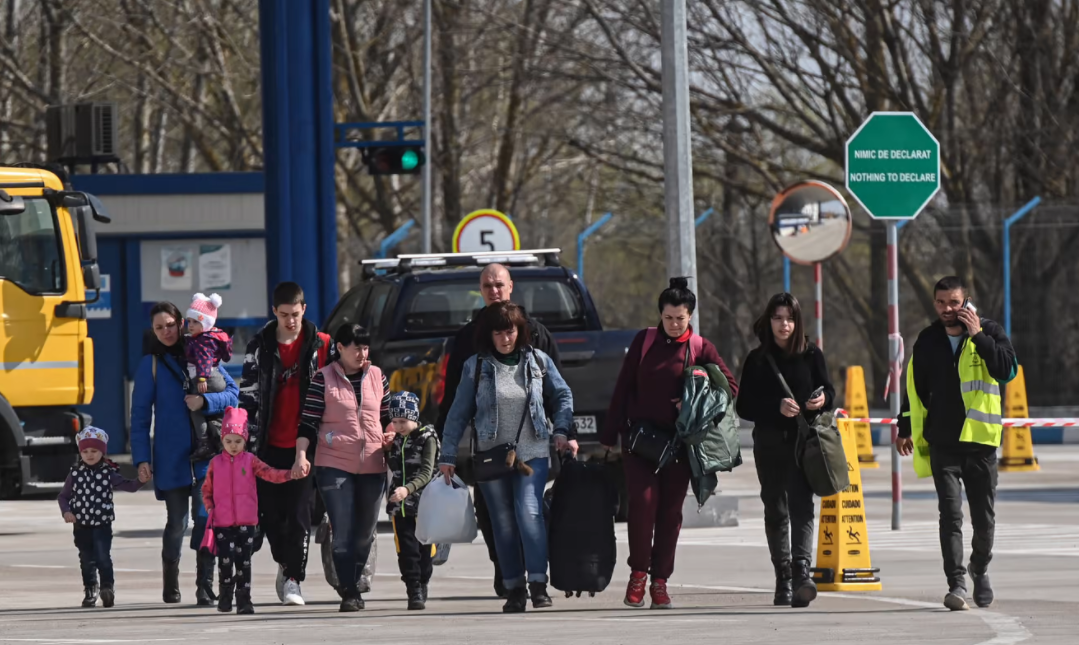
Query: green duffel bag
{"type": "Point", "coordinates": [818, 450]}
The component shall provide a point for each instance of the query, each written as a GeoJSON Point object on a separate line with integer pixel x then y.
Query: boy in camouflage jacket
{"type": "Point", "coordinates": [412, 458]}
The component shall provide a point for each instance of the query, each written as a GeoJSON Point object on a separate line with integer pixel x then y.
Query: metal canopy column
{"type": "Point", "coordinates": [298, 150]}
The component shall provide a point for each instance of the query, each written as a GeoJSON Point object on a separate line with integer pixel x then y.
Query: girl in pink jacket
{"type": "Point", "coordinates": [230, 496]}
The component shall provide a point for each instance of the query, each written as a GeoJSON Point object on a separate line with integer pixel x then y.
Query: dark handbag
{"type": "Point", "coordinates": [498, 462]}
{"type": "Point", "coordinates": [648, 442]}
{"type": "Point", "coordinates": [818, 450]}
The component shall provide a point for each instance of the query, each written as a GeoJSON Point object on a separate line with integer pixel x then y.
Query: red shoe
{"type": "Point", "coordinates": [635, 589]}
{"type": "Point", "coordinates": [658, 591]}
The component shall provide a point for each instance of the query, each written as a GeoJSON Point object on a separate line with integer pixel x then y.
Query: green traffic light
{"type": "Point", "coordinates": [410, 160]}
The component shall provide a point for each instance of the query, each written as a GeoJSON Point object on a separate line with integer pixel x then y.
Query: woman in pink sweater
{"type": "Point", "coordinates": [231, 498]}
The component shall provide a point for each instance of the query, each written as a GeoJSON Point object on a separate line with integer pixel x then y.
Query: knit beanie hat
{"type": "Point", "coordinates": [234, 422]}
{"type": "Point", "coordinates": [405, 405]}
{"type": "Point", "coordinates": [93, 437]}
{"type": "Point", "coordinates": [204, 309]}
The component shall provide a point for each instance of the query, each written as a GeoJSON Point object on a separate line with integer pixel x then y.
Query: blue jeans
{"type": "Point", "coordinates": [176, 505]}
{"type": "Point", "coordinates": [353, 503]}
{"type": "Point", "coordinates": [516, 507]}
{"type": "Point", "coordinates": [95, 554]}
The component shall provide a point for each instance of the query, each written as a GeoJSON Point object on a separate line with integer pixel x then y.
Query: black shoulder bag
{"type": "Point", "coordinates": [649, 442]}
{"type": "Point", "coordinates": [498, 462]}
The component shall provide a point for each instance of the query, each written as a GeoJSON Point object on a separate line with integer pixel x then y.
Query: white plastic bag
{"type": "Point", "coordinates": [446, 514]}
{"type": "Point", "coordinates": [324, 537]}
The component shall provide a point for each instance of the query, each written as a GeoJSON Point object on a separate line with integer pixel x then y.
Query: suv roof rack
{"type": "Point", "coordinates": [408, 262]}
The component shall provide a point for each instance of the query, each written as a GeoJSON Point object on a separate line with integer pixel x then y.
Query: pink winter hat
{"type": "Point", "coordinates": [204, 309]}
{"type": "Point", "coordinates": [235, 422]}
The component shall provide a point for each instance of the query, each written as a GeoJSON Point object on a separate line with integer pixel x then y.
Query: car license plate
{"type": "Point", "coordinates": [585, 425]}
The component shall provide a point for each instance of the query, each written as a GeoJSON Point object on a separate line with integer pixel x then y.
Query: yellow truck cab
{"type": "Point", "coordinates": [48, 274]}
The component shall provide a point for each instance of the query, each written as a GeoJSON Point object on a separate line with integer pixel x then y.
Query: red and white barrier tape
{"type": "Point", "coordinates": [1062, 422]}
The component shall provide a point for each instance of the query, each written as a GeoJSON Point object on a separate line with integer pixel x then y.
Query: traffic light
{"type": "Point", "coordinates": [394, 160]}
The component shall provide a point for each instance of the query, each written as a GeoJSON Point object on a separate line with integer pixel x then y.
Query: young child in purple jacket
{"type": "Point", "coordinates": [86, 502]}
{"type": "Point", "coordinates": [205, 348]}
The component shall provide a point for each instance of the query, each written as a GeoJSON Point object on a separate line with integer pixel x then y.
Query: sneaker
{"type": "Point", "coordinates": [281, 582]}
{"type": "Point", "coordinates": [635, 590]}
{"type": "Point", "coordinates": [108, 597]}
{"type": "Point", "coordinates": [956, 600]}
{"type": "Point", "coordinates": [983, 590]}
{"type": "Point", "coordinates": [292, 593]}
{"type": "Point", "coordinates": [658, 591]}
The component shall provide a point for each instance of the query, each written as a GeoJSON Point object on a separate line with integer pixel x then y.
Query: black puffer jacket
{"type": "Point", "coordinates": [262, 373]}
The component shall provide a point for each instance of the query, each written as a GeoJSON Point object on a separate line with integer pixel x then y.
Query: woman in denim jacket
{"type": "Point", "coordinates": [511, 373]}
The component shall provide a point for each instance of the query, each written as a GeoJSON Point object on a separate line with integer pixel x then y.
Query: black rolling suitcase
{"type": "Point", "coordinates": [580, 535]}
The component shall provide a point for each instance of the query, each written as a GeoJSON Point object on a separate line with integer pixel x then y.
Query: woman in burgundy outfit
{"type": "Point", "coordinates": [649, 389]}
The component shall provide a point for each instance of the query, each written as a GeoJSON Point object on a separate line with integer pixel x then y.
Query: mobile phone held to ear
{"type": "Point", "coordinates": [817, 392]}
{"type": "Point", "coordinates": [967, 304]}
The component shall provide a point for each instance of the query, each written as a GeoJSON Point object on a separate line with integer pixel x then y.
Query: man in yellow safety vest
{"type": "Point", "coordinates": [951, 422]}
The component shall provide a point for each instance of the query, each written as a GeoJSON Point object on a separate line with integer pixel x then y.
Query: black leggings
{"type": "Point", "coordinates": [787, 497]}
{"type": "Point", "coordinates": [235, 545]}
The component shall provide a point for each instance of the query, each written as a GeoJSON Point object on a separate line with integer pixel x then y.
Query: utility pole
{"type": "Point", "coordinates": [677, 154]}
{"type": "Point", "coordinates": [427, 126]}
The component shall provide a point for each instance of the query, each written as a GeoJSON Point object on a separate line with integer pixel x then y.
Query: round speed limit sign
{"type": "Point", "coordinates": [485, 230]}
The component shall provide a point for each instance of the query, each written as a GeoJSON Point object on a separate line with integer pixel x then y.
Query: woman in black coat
{"type": "Point", "coordinates": [787, 497]}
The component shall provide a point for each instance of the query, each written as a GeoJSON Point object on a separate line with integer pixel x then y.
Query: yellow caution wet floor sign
{"type": "Point", "coordinates": [856, 403]}
{"type": "Point", "coordinates": [1017, 449]}
{"type": "Point", "coordinates": [843, 562]}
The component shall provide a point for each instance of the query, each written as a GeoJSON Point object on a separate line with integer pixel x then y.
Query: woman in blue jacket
{"type": "Point", "coordinates": [160, 398]}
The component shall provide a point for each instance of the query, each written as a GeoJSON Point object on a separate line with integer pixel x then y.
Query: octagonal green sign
{"type": "Point", "coordinates": [893, 165]}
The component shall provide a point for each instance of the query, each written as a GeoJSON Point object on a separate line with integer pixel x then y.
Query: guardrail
{"type": "Point", "coordinates": [1050, 422]}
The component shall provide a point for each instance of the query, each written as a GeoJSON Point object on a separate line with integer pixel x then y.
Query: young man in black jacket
{"type": "Point", "coordinates": [495, 286]}
{"type": "Point", "coordinates": [280, 362]}
{"type": "Point", "coordinates": [953, 402]}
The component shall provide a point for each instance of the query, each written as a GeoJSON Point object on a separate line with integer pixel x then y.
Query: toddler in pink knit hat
{"type": "Point", "coordinates": [205, 348]}
{"type": "Point", "coordinates": [231, 497]}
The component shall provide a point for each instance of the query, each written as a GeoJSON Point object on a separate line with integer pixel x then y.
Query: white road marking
{"type": "Point", "coordinates": [1010, 539]}
{"type": "Point", "coordinates": [1008, 629]}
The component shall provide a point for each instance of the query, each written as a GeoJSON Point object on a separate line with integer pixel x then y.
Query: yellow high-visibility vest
{"type": "Point", "coordinates": [981, 398]}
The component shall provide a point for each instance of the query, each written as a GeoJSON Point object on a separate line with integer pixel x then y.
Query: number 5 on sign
{"type": "Point", "coordinates": [485, 230]}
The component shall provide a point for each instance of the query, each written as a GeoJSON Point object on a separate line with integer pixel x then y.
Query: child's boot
{"type": "Point", "coordinates": [108, 597]}
{"type": "Point", "coordinates": [243, 601]}
{"type": "Point", "coordinates": [416, 600]}
{"type": "Point", "coordinates": [205, 448]}
{"type": "Point", "coordinates": [90, 599]}
{"type": "Point", "coordinates": [224, 598]}
{"type": "Point", "coordinates": [423, 587]}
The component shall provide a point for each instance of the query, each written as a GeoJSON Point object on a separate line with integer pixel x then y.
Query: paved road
{"type": "Point", "coordinates": [720, 588]}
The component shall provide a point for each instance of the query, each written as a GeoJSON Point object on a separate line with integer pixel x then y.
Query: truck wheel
{"type": "Point", "coordinates": [10, 469]}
